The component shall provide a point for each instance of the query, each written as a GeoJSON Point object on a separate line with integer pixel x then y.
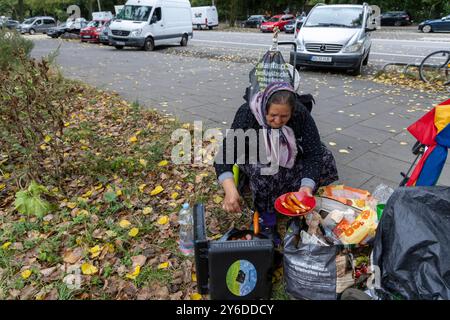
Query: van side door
{"type": "Point", "coordinates": [38, 25]}
{"type": "Point", "coordinates": [157, 26]}
{"type": "Point", "coordinates": [48, 23]}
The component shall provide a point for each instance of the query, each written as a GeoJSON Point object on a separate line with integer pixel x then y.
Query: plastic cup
{"type": "Point", "coordinates": [380, 209]}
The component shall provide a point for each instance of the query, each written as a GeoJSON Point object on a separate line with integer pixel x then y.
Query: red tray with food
{"type": "Point", "coordinates": [295, 204]}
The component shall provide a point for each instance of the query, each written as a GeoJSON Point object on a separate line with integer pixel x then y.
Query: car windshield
{"type": "Point", "coordinates": [28, 21]}
{"type": "Point", "coordinates": [274, 19]}
{"type": "Point", "coordinates": [134, 13]}
{"type": "Point", "coordinates": [336, 17]}
{"type": "Point", "coordinates": [95, 24]}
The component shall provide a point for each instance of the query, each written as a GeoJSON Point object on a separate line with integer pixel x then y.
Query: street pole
{"type": "Point", "coordinates": [99, 8]}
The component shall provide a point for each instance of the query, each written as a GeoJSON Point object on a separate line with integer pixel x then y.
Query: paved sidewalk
{"type": "Point", "coordinates": [362, 122]}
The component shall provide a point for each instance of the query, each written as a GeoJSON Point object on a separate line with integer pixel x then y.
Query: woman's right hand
{"type": "Point", "coordinates": [231, 203]}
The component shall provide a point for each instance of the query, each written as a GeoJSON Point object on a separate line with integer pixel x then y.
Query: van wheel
{"type": "Point", "coordinates": [184, 41]}
{"type": "Point", "coordinates": [366, 60]}
{"type": "Point", "coordinates": [32, 31]}
{"type": "Point", "coordinates": [119, 47]}
{"type": "Point", "coordinates": [427, 28]}
{"type": "Point", "coordinates": [210, 28]}
{"type": "Point", "coordinates": [358, 70]}
{"type": "Point", "coordinates": [149, 44]}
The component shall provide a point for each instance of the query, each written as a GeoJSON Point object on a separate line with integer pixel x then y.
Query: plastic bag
{"type": "Point", "coordinates": [382, 193]}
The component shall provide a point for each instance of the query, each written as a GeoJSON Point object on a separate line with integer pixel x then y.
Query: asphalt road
{"type": "Point", "coordinates": [392, 45]}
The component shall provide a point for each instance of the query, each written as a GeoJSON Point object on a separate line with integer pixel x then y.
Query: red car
{"type": "Point", "coordinates": [92, 31]}
{"type": "Point", "coordinates": [276, 21]}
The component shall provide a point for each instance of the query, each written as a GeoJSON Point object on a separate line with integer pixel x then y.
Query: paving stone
{"type": "Point", "coordinates": [381, 166]}
{"type": "Point", "coordinates": [393, 148]}
{"type": "Point", "coordinates": [367, 134]}
{"type": "Point", "coordinates": [352, 177]}
{"type": "Point", "coordinates": [354, 147]}
{"type": "Point", "coordinates": [374, 182]}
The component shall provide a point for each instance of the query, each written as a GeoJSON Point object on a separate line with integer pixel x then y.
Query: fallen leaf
{"type": "Point", "coordinates": [196, 296]}
{"type": "Point", "coordinates": [174, 195]}
{"type": "Point", "coordinates": [163, 220]}
{"type": "Point", "coordinates": [6, 245]}
{"type": "Point", "coordinates": [344, 151]}
{"type": "Point", "coordinates": [143, 162]}
{"type": "Point", "coordinates": [163, 265]}
{"type": "Point", "coordinates": [124, 223]}
{"type": "Point", "coordinates": [139, 260]}
{"type": "Point", "coordinates": [217, 199]}
{"type": "Point", "coordinates": [157, 190]}
{"type": "Point", "coordinates": [133, 232]}
{"type": "Point", "coordinates": [26, 274]}
{"type": "Point", "coordinates": [147, 210]}
{"type": "Point", "coordinates": [133, 139]}
{"type": "Point", "coordinates": [135, 273]}
{"type": "Point", "coordinates": [163, 163]}
{"type": "Point", "coordinates": [142, 187]}
{"type": "Point", "coordinates": [72, 257]}
{"type": "Point", "coordinates": [332, 143]}
{"type": "Point", "coordinates": [95, 251]}
{"type": "Point", "coordinates": [71, 205]}
{"type": "Point", "coordinates": [88, 269]}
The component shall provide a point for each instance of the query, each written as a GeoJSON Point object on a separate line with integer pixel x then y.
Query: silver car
{"type": "Point", "coordinates": [37, 24]}
{"type": "Point", "coordinates": [335, 36]}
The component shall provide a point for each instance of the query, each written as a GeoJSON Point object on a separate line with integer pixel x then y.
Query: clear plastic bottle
{"type": "Point", "coordinates": [186, 221]}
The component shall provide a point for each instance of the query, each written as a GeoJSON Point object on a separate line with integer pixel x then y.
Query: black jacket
{"type": "Point", "coordinates": [309, 146]}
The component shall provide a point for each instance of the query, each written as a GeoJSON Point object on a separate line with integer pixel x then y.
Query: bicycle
{"type": "Point", "coordinates": [435, 68]}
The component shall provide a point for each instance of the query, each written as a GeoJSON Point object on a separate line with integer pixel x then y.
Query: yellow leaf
{"type": "Point", "coordinates": [88, 269]}
{"type": "Point", "coordinates": [157, 190]}
{"type": "Point", "coordinates": [95, 251]}
{"type": "Point", "coordinates": [163, 265]}
{"type": "Point", "coordinates": [196, 296]}
{"type": "Point", "coordinates": [118, 192]}
{"type": "Point", "coordinates": [82, 213]}
{"type": "Point", "coordinates": [47, 139]}
{"type": "Point", "coordinates": [142, 187]}
{"type": "Point", "coordinates": [84, 148]}
{"type": "Point", "coordinates": [87, 194]}
{"type": "Point", "coordinates": [163, 163]}
{"type": "Point", "coordinates": [66, 124]}
{"type": "Point", "coordinates": [174, 195]}
{"type": "Point", "coordinates": [147, 210]}
{"type": "Point", "coordinates": [135, 273]}
{"type": "Point", "coordinates": [6, 176]}
{"type": "Point", "coordinates": [143, 162]}
{"type": "Point", "coordinates": [218, 199]}
{"type": "Point", "coordinates": [100, 186]}
{"type": "Point", "coordinates": [110, 248]}
{"type": "Point", "coordinates": [2, 186]}
{"type": "Point", "coordinates": [138, 133]}
{"type": "Point", "coordinates": [124, 223]}
{"type": "Point", "coordinates": [71, 205]}
{"type": "Point", "coordinates": [177, 187]}
{"type": "Point", "coordinates": [133, 232]}
{"type": "Point", "coordinates": [163, 220]}
{"type": "Point", "coordinates": [79, 241]}
{"type": "Point", "coordinates": [43, 146]}
{"type": "Point", "coordinates": [26, 274]}
{"type": "Point", "coordinates": [217, 236]}
{"type": "Point", "coordinates": [133, 139]}
{"type": "Point", "coordinates": [6, 245]}
{"type": "Point", "coordinates": [194, 277]}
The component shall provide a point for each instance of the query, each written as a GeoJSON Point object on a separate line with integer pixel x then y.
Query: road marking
{"type": "Point", "coordinates": [396, 55]}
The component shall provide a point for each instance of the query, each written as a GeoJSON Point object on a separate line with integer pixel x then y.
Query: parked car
{"type": "Point", "coordinates": [56, 32]}
{"type": "Point", "coordinates": [205, 17]}
{"type": "Point", "coordinates": [91, 33]}
{"type": "Point", "coordinates": [149, 23]}
{"type": "Point", "coordinates": [37, 24]}
{"type": "Point", "coordinates": [294, 25]}
{"type": "Point", "coordinates": [10, 24]}
{"type": "Point", "coordinates": [105, 33]}
{"type": "Point", "coordinates": [395, 18]}
{"type": "Point", "coordinates": [276, 21]}
{"type": "Point", "coordinates": [335, 36]}
{"type": "Point", "coordinates": [75, 26]}
{"type": "Point", "coordinates": [255, 21]}
{"type": "Point", "coordinates": [438, 25]}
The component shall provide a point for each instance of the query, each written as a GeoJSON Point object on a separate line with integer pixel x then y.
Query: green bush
{"type": "Point", "coordinates": [12, 47]}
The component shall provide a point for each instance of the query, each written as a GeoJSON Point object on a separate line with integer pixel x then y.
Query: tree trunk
{"type": "Point", "coordinates": [20, 10]}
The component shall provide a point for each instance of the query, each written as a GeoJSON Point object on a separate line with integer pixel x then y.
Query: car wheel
{"type": "Point", "coordinates": [358, 70]}
{"type": "Point", "coordinates": [210, 28]}
{"type": "Point", "coordinates": [184, 40]}
{"type": "Point", "coordinates": [32, 31]}
{"type": "Point", "coordinates": [427, 28]}
{"type": "Point", "coordinates": [119, 47]}
{"type": "Point", "coordinates": [366, 60]}
{"type": "Point", "coordinates": [149, 44]}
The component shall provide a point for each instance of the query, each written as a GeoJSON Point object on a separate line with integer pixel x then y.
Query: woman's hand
{"type": "Point", "coordinates": [231, 203]}
{"type": "Point", "coordinates": [307, 190]}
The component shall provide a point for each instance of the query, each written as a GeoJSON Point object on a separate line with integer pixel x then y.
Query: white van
{"type": "Point", "coordinates": [205, 17]}
{"type": "Point", "coordinates": [149, 23]}
{"type": "Point", "coordinates": [336, 36]}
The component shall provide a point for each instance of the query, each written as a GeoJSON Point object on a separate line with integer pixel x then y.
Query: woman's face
{"type": "Point", "coordinates": [278, 115]}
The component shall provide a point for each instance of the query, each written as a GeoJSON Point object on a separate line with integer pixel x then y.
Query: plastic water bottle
{"type": "Point", "coordinates": [186, 221]}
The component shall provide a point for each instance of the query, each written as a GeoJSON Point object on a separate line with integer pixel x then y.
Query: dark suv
{"type": "Point", "coordinates": [396, 18]}
{"type": "Point", "coordinates": [255, 21]}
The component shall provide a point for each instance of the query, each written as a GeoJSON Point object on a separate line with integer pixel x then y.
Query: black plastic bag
{"type": "Point", "coordinates": [412, 245]}
{"type": "Point", "coordinates": [309, 270]}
